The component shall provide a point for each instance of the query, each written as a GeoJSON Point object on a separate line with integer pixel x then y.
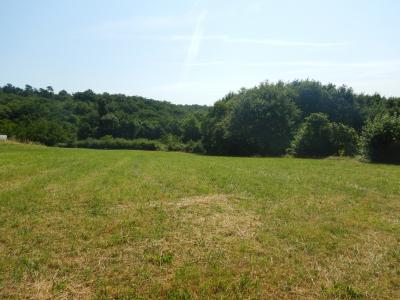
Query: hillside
{"type": "Point", "coordinates": [50, 118]}
{"type": "Point", "coordinates": [77, 223]}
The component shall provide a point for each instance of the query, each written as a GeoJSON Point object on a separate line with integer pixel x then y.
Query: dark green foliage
{"type": "Point", "coordinates": [345, 140]}
{"type": "Point", "coordinates": [173, 143]}
{"type": "Point", "coordinates": [195, 147]}
{"type": "Point", "coordinates": [339, 103]}
{"type": "Point", "coordinates": [109, 142]}
{"type": "Point", "coordinates": [48, 118]}
{"type": "Point", "coordinates": [259, 121]}
{"type": "Point", "coordinates": [215, 131]}
{"type": "Point", "coordinates": [47, 132]}
{"type": "Point", "coordinates": [255, 121]}
{"type": "Point", "coordinates": [191, 129]}
{"type": "Point", "coordinates": [109, 125]}
{"type": "Point", "coordinates": [262, 120]}
{"type": "Point", "coordinates": [380, 139]}
{"type": "Point", "coordinates": [318, 137]}
{"type": "Point", "coordinates": [314, 137]}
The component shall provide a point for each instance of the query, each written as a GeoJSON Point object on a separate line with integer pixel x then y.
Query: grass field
{"type": "Point", "coordinates": [78, 223]}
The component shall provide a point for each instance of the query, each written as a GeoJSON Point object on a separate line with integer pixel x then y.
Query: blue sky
{"type": "Point", "coordinates": [197, 51]}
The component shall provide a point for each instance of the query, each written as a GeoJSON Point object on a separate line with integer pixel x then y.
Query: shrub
{"type": "Point", "coordinates": [380, 139]}
{"type": "Point", "coordinates": [168, 143]}
{"type": "Point", "coordinates": [345, 140]}
{"type": "Point", "coordinates": [173, 143]}
{"type": "Point", "coordinates": [314, 137]}
{"type": "Point", "coordinates": [195, 147]}
{"type": "Point", "coordinates": [318, 137]}
{"type": "Point", "coordinates": [119, 143]}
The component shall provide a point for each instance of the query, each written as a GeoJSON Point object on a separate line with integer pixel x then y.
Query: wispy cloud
{"type": "Point", "coordinates": [138, 27]}
{"type": "Point", "coordinates": [195, 39]}
{"type": "Point", "coordinates": [204, 63]}
{"type": "Point", "coordinates": [325, 64]}
{"type": "Point", "coordinates": [284, 43]}
{"type": "Point", "coordinates": [259, 41]}
{"type": "Point", "coordinates": [194, 46]}
{"type": "Point", "coordinates": [369, 64]}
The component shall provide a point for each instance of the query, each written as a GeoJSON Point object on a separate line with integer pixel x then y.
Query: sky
{"type": "Point", "coordinates": [195, 52]}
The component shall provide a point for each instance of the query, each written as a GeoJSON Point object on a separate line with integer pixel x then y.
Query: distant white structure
{"type": "Point", "coordinates": [3, 137]}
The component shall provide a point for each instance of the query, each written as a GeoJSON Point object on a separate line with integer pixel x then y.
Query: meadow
{"type": "Point", "coordinates": [100, 224]}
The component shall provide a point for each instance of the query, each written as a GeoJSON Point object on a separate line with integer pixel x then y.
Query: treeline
{"type": "Point", "coordinates": [61, 118]}
{"type": "Point", "coordinates": [302, 118]}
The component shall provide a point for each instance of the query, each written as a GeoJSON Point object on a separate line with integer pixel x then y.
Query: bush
{"type": "Point", "coordinates": [119, 143]}
{"type": "Point", "coordinates": [314, 137]}
{"type": "Point", "coordinates": [168, 143]}
{"type": "Point", "coordinates": [380, 139]}
{"type": "Point", "coordinates": [195, 147]}
{"type": "Point", "coordinates": [173, 143]}
{"type": "Point", "coordinates": [318, 137]}
{"type": "Point", "coordinates": [345, 140]}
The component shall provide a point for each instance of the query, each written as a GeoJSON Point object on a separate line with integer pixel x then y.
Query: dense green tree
{"type": "Point", "coordinates": [86, 96]}
{"type": "Point", "coordinates": [256, 121]}
{"type": "Point", "coordinates": [339, 103]}
{"type": "Point", "coordinates": [129, 127]}
{"type": "Point", "coordinates": [345, 140]}
{"type": "Point", "coordinates": [314, 137]}
{"type": "Point", "coordinates": [109, 124]}
{"type": "Point", "coordinates": [28, 90]}
{"type": "Point", "coordinates": [47, 132]}
{"type": "Point", "coordinates": [215, 127]}
{"type": "Point", "coordinates": [191, 129]}
{"type": "Point", "coordinates": [63, 94]}
{"type": "Point", "coordinates": [319, 137]}
{"type": "Point", "coordinates": [262, 121]}
{"type": "Point", "coordinates": [380, 139]}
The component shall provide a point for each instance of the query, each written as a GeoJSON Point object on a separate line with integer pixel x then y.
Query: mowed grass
{"type": "Point", "coordinates": [78, 223]}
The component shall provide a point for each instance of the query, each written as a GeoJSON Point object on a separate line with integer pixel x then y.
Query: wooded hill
{"type": "Point", "coordinates": [49, 118]}
{"type": "Point", "coordinates": [305, 118]}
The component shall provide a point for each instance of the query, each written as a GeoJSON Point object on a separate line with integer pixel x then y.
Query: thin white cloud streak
{"type": "Point", "coordinates": [205, 64]}
{"type": "Point", "coordinates": [196, 39]}
{"type": "Point", "coordinates": [325, 64]}
{"type": "Point", "coordinates": [133, 28]}
{"type": "Point", "coordinates": [259, 41]}
{"type": "Point", "coordinates": [283, 43]}
{"type": "Point", "coordinates": [130, 28]}
{"type": "Point", "coordinates": [194, 46]}
{"type": "Point", "coordinates": [309, 64]}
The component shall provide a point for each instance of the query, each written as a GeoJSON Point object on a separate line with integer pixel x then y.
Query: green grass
{"type": "Point", "coordinates": [98, 224]}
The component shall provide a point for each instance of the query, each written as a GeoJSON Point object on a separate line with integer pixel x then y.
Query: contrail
{"type": "Point", "coordinates": [195, 43]}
